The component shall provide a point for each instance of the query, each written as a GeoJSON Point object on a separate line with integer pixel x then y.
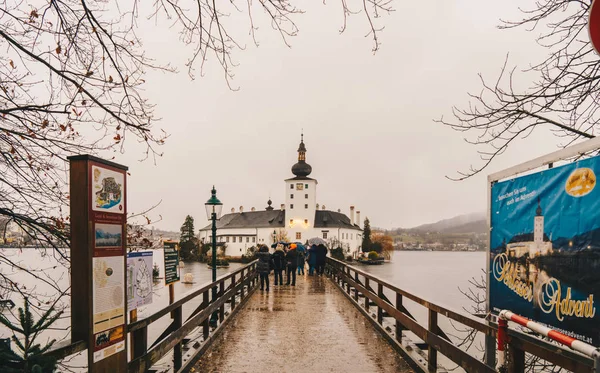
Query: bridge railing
{"type": "Point", "coordinates": [368, 293]}
{"type": "Point", "coordinates": [232, 288]}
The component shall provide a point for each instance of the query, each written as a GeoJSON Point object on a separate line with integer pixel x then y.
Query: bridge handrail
{"type": "Point", "coordinates": [467, 320]}
{"type": "Point", "coordinates": [186, 298]}
{"type": "Point", "coordinates": [142, 356]}
{"type": "Point", "coordinates": [435, 339]}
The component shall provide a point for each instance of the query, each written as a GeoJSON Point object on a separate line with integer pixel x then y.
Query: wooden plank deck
{"type": "Point", "coordinates": [311, 327]}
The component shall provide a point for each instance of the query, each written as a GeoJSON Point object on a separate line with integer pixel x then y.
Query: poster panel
{"type": "Point", "coordinates": [139, 279]}
{"type": "Point", "coordinates": [545, 248]}
{"type": "Point", "coordinates": [108, 190]}
{"type": "Point", "coordinates": [171, 262]}
{"type": "Point", "coordinates": [109, 342]}
{"type": "Point", "coordinates": [108, 296]}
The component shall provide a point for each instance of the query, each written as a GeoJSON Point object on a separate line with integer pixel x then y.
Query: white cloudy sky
{"type": "Point", "coordinates": [367, 119]}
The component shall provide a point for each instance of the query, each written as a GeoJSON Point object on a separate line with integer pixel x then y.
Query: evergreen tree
{"type": "Point", "coordinates": [188, 243]}
{"type": "Point", "coordinates": [366, 242]}
{"type": "Point", "coordinates": [31, 358]}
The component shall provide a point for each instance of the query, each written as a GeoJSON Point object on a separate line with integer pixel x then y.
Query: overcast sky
{"type": "Point", "coordinates": [367, 119]}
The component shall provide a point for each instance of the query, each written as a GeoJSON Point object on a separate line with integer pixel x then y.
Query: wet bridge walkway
{"type": "Point", "coordinates": [311, 327]}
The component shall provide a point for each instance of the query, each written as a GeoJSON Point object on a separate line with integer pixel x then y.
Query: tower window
{"type": "Point", "coordinates": [324, 235]}
{"type": "Point", "coordinates": [247, 239]}
{"type": "Point", "coordinates": [227, 239]}
{"type": "Point", "coordinates": [292, 196]}
{"type": "Point", "coordinates": [291, 222]}
{"type": "Point", "coordinates": [305, 186]}
{"type": "Point", "coordinates": [306, 206]}
{"type": "Point", "coordinates": [306, 196]}
{"type": "Point", "coordinates": [291, 206]}
{"type": "Point", "coordinates": [298, 235]}
{"type": "Point", "coordinates": [291, 186]}
{"type": "Point", "coordinates": [233, 239]}
{"type": "Point", "coordinates": [305, 221]}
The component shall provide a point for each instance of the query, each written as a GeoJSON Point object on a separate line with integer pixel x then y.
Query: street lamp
{"type": "Point", "coordinates": [213, 212]}
{"type": "Point", "coordinates": [274, 236]}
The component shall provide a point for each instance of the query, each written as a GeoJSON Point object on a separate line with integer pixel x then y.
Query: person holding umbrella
{"type": "Point", "coordinates": [321, 253]}
{"type": "Point", "coordinates": [279, 263]}
{"type": "Point", "coordinates": [301, 250]}
{"type": "Point", "coordinates": [312, 259]}
{"type": "Point", "coordinates": [292, 263]}
{"type": "Point", "coordinates": [264, 266]}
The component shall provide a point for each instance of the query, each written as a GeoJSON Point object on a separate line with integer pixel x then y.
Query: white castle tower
{"type": "Point", "coordinates": [300, 198]}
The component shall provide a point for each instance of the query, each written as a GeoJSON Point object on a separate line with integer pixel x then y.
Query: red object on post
{"type": "Point", "coordinates": [502, 328]}
{"type": "Point", "coordinates": [594, 25]}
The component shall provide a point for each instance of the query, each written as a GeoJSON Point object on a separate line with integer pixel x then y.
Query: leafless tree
{"type": "Point", "coordinates": [562, 97]}
{"type": "Point", "coordinates": [72, 74]}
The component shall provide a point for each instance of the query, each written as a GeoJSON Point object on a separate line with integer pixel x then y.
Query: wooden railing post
{"type": "Point", "coordinates": [233, 297]}
{"type": "Point", "coordinates": [177, 356]}
{"type": "Point", "coordinates": [367, 300]}
{"type": "Point", "coordinates": [242, 287]}
{"type": "Point", "coordinates": [222, 308]}
{"type": "Point", "coordinates": [205, 325]}
{"type": "Point", "coordinates": [516, 360]}
{"type": "Point", "coordinates": [398, 324]}
{"type": "Point", "coordinates": [139, 340]}
{"type": "Point", "coordinates": [355, 288]}
{"type": "Point", "coordinates": [432, 358]}
{"type": "Point", "coordinates": [379, 309]}
{"type": "Point", "coordinates": [348, 282]}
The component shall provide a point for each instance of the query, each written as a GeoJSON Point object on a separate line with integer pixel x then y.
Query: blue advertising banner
{"type": "Point", "coordinates": [545, 248]}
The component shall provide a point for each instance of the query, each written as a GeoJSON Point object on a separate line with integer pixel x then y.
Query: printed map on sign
{"type": "Point", "coordinates": [107, 190]}
{"type": "Point", "coordinates": [109, 307]}
{"type": "Point", "coordinates": [139, 279]}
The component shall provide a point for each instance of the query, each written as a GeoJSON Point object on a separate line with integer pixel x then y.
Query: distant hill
{"type": "Point", "coordinates": [468, 223]}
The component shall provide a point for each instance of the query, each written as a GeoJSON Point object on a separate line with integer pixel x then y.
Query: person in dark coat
{"type": "Point", "coordinates": [292, 264]}
{"type": "Point", "coordinates": [279, 264]}
{"type": "Point", "coordinates": [263, 266]}
{"type": "Point", "coordinates": [312, 259]}
{"type": "Point", "coordinates": [301, 260]}
{"type": "Point", "coordinates": [321, 255]}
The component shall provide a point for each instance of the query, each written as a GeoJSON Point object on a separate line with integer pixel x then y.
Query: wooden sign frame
{"type": "Point", "coordinates": [98, 194]}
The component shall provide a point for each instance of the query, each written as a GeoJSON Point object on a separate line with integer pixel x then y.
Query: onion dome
{"type": "Point", "coordinates": [301, 169]}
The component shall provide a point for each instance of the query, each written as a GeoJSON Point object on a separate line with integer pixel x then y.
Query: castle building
{"type": "Point", "coordinates": [299, 219]}
{"type": "Point", "coordinates": [533, 244]}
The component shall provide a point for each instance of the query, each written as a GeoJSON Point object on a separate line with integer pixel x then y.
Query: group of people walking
{"type": "Point", "coordinates": [292, 259]}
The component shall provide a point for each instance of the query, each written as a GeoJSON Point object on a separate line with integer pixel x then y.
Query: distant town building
{"type": "Point", "coordinates": [296, 221]}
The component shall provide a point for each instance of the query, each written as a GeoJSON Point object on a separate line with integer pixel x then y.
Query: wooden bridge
{"type": "Point", "coordinates": [346, 321]}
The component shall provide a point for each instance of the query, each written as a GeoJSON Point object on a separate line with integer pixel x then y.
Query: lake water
{"type": "Point", "coordinates": [433, 276]}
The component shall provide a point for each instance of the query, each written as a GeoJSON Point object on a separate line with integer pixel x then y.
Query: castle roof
{"type": "Point", "coordinates": [251, 219]}
{"type": "Point", "coordinates": [276, 219]}
{"type": "Point", "coordinates": [331, 219]}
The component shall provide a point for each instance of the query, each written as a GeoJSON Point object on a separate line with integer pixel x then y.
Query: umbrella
{"type": "Point", "coordinates": [316, 241]}
{"type": "Point", "coordinates": [280, 243]}
{"type": "Point", "coordinates": [300, 246]}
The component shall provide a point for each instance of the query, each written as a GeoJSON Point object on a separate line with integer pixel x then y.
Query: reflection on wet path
{"type": "Point", "coordinates": [311, 327]}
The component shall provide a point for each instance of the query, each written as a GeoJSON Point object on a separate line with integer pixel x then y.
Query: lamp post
{"type": "Point", "coordinates": [213, 212]}
{"type": "Point", "coordinates": [274, 237]}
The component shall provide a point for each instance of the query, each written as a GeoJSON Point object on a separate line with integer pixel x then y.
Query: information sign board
{"type": "Point", "coordinates": [171, 254]}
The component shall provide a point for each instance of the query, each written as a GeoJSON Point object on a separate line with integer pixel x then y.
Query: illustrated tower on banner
{"type": "Point", "coordinates": [538, 231]}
